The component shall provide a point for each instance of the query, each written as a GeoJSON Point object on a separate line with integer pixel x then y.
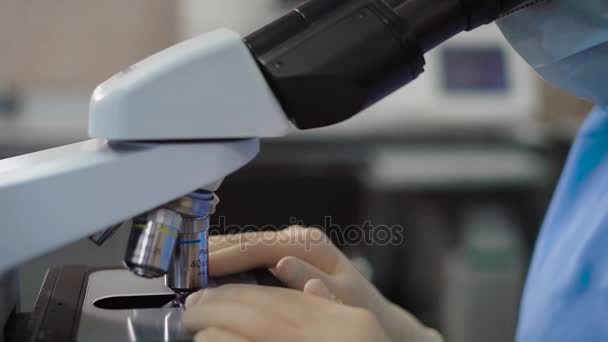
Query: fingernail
{"type": "Point", "coordinates": [318, 288]}
{"type": "Point", "coordinates": [289, 267]}
{"type": "Point", "coordinates": [282, 265]}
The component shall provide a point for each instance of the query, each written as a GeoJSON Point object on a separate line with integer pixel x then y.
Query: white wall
{"type": "Point", "coordinates": [196, 16]}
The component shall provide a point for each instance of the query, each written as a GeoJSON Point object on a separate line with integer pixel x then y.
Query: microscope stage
{"type": "Point", "coordinates": [78, 303]}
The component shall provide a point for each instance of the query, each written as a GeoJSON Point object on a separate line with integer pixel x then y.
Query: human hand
{"type": "Point", "coordinates": [251, 313]}
{"type": "Point", "coordinates": [305, 260]}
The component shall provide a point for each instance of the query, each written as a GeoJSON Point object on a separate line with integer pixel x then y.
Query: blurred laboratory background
{"type": "Point", "coordinates": [464, 159]}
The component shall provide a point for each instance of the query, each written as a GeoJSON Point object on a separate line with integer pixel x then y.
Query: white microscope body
{"type": "Point", "coordinates": [178, 121]}
{"type": "Point", "coordinates": [189, 116]}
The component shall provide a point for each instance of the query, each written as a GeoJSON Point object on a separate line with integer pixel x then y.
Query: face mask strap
{"type": "Point", "coordinates": [522, 6]}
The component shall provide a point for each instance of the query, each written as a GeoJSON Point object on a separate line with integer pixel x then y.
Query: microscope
{"type": "Point", "coordinates": [168, 130]}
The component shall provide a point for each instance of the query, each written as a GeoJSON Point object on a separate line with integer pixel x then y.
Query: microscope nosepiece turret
{"type": "Point", "coordinates": [172, 241]}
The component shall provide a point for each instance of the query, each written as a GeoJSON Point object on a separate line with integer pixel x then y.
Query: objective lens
{"type": "Point", "coordinates": [172, 241]}
{"type": "Point", "coordinates": [152, 243]}
{"type": "Point", "coordinates": [188, 271]}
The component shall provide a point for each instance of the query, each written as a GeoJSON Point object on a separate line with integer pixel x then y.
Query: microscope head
{"type": "Point", "coordinates": [208, 87]}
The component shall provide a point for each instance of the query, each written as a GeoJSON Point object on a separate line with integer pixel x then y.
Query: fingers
{"type": "Point", "coordinates": [248, 321]}
{"type": "Point", "coordinates": [291, 271]}
{"type": "Point", "coordinates": [213, 334]}
{"type": "Point", "coordinates": [316, 287]}
{"type": "Point", "coordinates": [295, 272]}
{"type": "Point", "coordinates": [310, 245]}
{"type": "Point", "coordinates": [218, 242]}
{"type": "Point", "coordinates": [275, 314]}
{"type": "Point", "coordinates": [291, 304]}
{"type": "Point", "coordinates": [192, 298]}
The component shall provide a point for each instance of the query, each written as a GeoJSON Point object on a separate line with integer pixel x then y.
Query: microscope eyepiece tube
{"type": "Point", "coordinates": [152, 242]}
{"type": "Point", "coordinates": [328, 60]}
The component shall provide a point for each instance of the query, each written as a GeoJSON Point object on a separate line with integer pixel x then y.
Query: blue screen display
{"type": "Point", "coordinates": [474, 69]}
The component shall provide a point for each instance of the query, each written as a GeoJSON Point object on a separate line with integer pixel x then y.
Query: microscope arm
{"type": "Point", "coordinates": [185, 102]}
{"type": "Point", "coordinates": [54, 197]}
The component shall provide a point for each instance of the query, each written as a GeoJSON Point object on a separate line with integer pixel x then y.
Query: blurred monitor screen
{"type": "Point", "coordinates": [474, 69]}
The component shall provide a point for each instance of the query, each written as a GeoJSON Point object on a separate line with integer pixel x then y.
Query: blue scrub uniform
{"type": "Point", "coordinates": [566, 294]}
